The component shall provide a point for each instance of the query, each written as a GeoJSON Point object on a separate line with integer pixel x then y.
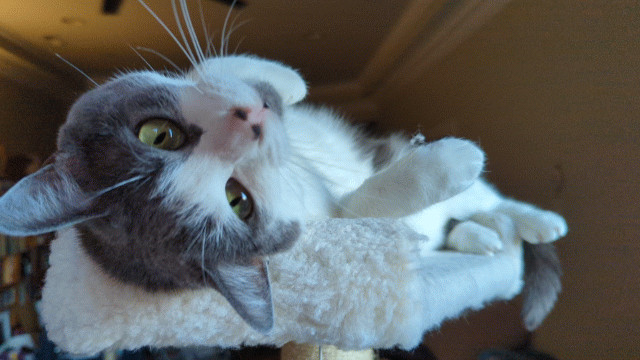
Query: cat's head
{"type": "Point", "coordinates": [174, 181]}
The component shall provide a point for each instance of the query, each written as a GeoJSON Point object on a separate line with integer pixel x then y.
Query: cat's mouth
{"type": "Point", "coordinates": [257, 132]}
{"type": "Point", "coordinates": [239, 199]}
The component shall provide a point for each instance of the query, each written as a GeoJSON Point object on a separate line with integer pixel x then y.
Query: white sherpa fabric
{"type": "Point", "coordinates": [353, 283]}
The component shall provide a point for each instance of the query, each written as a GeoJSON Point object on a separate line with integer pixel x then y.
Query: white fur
{"type": "Point", "coordinates": [353, 283]}
{"type": "Point", "coordinates": [207, 174]}
{"type": "Point", "coordinates": [471, 237]}
{"type": "Point", "coordinates": [322, 141]}
{"type": "Point", "coordinates": [534, 225]}
{"type": "Point", "coordinates": [288, 83]}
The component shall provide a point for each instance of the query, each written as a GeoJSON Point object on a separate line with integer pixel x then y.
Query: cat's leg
{"type": "Point", "coordinates": [427, 174]}
{"type": "Point", "coordinates": [538, 228]}
{"type": "Point", "coordinates": [534, 225]}
{"type": "Point", "coordinates": [471, 237]}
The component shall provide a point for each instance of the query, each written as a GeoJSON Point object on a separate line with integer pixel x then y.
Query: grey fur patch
{"type": "Point", "coordinates": [541, 284]}
{"type": "Point", "coordinates": [450, 225]}
{"type": "Point", "coordinates": [382, 156]}
{"type": "Point", "coordinates": [381, 151]}
{"type": "Point", "coordinates": [270, 96]}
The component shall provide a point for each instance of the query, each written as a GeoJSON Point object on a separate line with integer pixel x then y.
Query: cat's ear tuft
{"type": "Point", "coordinates": [287, 82]}
{"type": "Point", "coordinates": [42, 202]}
{"type": "Point", "coordinates": [246, 287]}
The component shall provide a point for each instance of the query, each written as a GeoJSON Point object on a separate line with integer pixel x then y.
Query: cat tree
{"type": "Point", "coordinates": [350, 284]}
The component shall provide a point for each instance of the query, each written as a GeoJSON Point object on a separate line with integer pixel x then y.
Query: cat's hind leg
{"type": "Point", "coordinates": [513, 222]}
{"type": "Point", "coordinates": [542, 284]}
{"type": "Point", "coordinates": [470, 237]}
{"type": "Point", "coordinates": [534, 225]}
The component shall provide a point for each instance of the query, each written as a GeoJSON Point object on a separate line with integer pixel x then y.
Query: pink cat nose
{"type": "Point", "coordinates": [254, 117]}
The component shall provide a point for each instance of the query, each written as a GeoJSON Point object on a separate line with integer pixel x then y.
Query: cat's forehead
{"type": "Point", "coordinates": [146, 89]}
{"type": "Point", "coordinates": [126, 97]}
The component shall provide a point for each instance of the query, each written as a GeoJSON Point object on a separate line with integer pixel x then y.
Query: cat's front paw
{"type": "Point", "coordinates": [540, 226]}
{"type": "Point", "coordinates": [462, 161]}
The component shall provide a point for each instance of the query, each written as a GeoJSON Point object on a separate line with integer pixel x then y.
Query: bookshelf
{"type": "Point", "coordinates": [22, 270]}
{"type": "Point", "coordinates": [23, 263]}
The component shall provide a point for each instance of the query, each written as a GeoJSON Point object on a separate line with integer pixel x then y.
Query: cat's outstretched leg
{"type": "Point", "coordinates": [425, 175]}
{"type": "Point", "coordinates": [537, 228]}
{"type": "Point", "coordinates": [534, 225]}
{"type": "Point", "coordinates": [542, 267]}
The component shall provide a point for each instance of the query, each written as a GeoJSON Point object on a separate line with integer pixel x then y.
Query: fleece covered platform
{"type": "Point", "coordinates": [352, 283]}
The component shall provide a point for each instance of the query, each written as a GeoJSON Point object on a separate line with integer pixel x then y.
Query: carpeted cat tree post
{"type": "Point", "coordinates": [349, 284]}
{"type": "Point", "coordinates": [293, 351]}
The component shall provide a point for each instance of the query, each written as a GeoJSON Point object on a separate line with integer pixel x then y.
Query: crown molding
{"type": "Point", "coordinates": [24, 64]}
{"type": "Point", "coordinates": [453, 31]}
{"type": "Point", "coordinates": [427, 31]}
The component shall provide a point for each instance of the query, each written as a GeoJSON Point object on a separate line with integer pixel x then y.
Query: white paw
{"type": "Point", "coordinates": [539, 226]}
{"type": "Point", "coordinates": [472, 237]}
{"type": "Point", "coordinates": [462, 161]}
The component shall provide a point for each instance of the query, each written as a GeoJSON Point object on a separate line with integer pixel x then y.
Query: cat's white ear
{"type": "Point", "coordinates": [287, 82]}
{"type": "Point", "coordinates": [42, 202]}
{"type": "Point", "coordinates": [247, 288]}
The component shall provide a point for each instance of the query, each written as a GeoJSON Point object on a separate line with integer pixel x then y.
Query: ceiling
{"type": "Point", "coordinates": [347, 50]}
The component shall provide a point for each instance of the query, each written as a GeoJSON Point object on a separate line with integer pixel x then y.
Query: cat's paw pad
{"type": "Point", "coordinates": [471, 237]}
{"type": "Point", "coordinates": [540, 226]}
{"type": "Point", "coordinates": [462, 160]}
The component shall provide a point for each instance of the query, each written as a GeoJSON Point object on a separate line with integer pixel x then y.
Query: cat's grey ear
{"type": "Point", "coordinates": [247, 288]}
{"type": "Point", "coordinates": [42, 202]}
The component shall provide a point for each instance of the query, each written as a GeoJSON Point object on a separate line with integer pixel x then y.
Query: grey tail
{"type": "Point", "coordinates": [541, 283]}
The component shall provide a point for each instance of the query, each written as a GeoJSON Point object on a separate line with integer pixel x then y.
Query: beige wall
{"type": "Point", "coordinates": [29, 119]}
{"type": "Point", "coordinates": [552, 88]}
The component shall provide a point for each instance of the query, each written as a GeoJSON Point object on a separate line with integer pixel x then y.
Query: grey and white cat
{"type": "Point", "coordinates": [185, 181]}
{"type": "Point", "coordinates": [177, 181]}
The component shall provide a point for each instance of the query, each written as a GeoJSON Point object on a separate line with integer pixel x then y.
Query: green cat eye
{"type": "Point", "coordinates": [239, 199]}
{"type": "Point", "coordinates": [161, 133]}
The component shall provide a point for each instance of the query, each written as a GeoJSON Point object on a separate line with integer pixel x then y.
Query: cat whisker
{"type": "Point", "coordinates": [176, 15]}
{"type": "Point", "coordinates": [207, 272]}
{"type": "Point", "coordinates": [142, 58]}
{"type": "Point", "coordinates": [191, 31]}
{"type": "Point", "coordinates": [211, 47]}
{"type": "Point", "coordinates": [202, 263]}
{"type": "Point", "coordinates": [235, 50]}
{"type": "Point", "coordinates": [205, 31]}
{"type": "Point", "coordinates": [77, 69]}
{"type": "Point", "coordinates": [188, 54]}
{"type": "Point", "coordinates": [161, 56]}
{"type": "Point", "coordinates": [118, 185]}
{"type": "Point", "coordinates": [224, 37]}
{"type": "Point", "coordinates": [232, 29]}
